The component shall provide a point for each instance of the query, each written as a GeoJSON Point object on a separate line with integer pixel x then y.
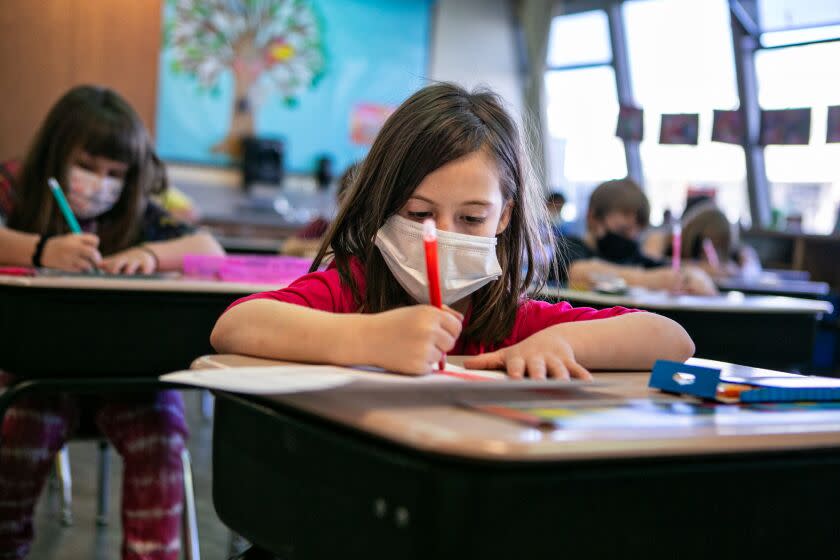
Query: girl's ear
{"type": "Point", "coordinates": [504, 219]}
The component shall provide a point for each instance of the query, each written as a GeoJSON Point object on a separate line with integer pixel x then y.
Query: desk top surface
{"type": "Point", "coordinates": [731, 302]}
{"type": "Point", "coordinates": [432, 421]}
{"type": "Point", "coordinates": [153, 284]}
{"type": "Point", "coordinates": [775, 284]}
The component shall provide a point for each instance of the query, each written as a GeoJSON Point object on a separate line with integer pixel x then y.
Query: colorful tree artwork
{"type": "Point", "coordinates": [270, 46]}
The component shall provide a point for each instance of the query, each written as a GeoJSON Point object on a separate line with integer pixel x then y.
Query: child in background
{"type": "Point", "coordinates": [706, 228]}
{"type": "Point", "coordinates": [618, 213]}
{"type": "Point", "coordinates": [455, 157]}
{"type": "Point", "coordinates": [306, 242]}
{"type": "Point", "coordinates": [95, 145]}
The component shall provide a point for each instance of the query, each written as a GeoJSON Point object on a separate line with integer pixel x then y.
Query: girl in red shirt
{"type": "Point", "coordinates": [456, 157]}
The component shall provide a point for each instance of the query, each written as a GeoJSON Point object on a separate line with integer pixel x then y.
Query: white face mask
{"type": "Point", "coordinates": [91, 196]}
{"type": "Point", "coordinates": [467, 262]}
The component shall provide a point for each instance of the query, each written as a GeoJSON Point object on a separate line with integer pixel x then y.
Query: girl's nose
{"type": "Point", "coordinates": [444, 223]}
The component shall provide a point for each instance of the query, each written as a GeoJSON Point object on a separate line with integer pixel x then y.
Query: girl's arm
{"type": "Point", "coordinates": [633, 341]}
{"type": "Point", "coordinates": [628, 342]}
{"type": "Point", "coordinates": [409, 339]}
{"type": "Point", "coordinates": [73, 252]}
{"type": "Point", "coordinates": [582, 274]}
{"type": "Point", "coordinates": [161, 256]}
{"type": "Point", "coordinates": [16, 247]}
{"type": "Point", "coordinates": [170, 254]}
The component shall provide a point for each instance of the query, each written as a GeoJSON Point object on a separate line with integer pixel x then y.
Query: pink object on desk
{"type": "Point", "coordinates": [246, 268]}
{"type": "Point", "coordinates": [16, 271]}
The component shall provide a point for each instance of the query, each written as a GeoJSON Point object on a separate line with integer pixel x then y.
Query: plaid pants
{"type": "Point", "coordinates": [148, 430]}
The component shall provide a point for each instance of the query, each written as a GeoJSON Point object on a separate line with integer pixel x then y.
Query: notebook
{"type": "Point", "coordinates": [750, 386]}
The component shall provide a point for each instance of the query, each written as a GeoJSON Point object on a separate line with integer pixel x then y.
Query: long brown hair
{"type": "Point", "coordinates": [437, 125]}
{"type": "Point", "coordinates": [98, 121]}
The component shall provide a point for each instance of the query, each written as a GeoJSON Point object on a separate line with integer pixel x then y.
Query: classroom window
{"type": "Point", "coordinates": [582, 108]}
{"type": "Point", "coordinates": [804, 180]}
{"type": "Point", "coordinates": [577, 39]}
{"type": "Point", "coordinates": [779, 15]}
{"type": "Point", "coordinates": [681, 61]}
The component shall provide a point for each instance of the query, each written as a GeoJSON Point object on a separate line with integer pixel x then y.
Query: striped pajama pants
{"type": "Point", "coordinates": [148, 430]}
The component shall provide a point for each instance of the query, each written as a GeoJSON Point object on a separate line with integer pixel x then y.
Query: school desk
{"type": "Point", "coordinates": [99, 326]}
{"type": "Point", "coordinates": [765, 331]}
{"type": "Point", "coordinates": [350, 473]}
{"type": "Point", "coordinates": [773, 285]}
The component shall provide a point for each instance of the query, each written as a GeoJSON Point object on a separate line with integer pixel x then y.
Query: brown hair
{"type": "Point", "coordinates": [706, 220]}
{"type": "Point", "coordinates": [619, 195]}
{"type": "Point", "coordinates": [346, 181]}
{"type": "Point", "coordinates": [437, 125]}
{"type": "Point", "coordinates": [98, 121]}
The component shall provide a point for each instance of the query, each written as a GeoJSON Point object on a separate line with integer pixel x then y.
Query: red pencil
{"type": "Point", "coordinates": [432, 270]}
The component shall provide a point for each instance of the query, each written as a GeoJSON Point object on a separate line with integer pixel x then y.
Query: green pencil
{"type": "Point", "coordinates": [64, 206]}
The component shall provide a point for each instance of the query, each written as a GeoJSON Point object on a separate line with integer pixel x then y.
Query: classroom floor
{"type": "Point", "coordinates": [84, 540]}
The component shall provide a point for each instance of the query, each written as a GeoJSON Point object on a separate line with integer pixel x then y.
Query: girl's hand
{"type": "Point", "coordinates": [543, 354]}
{"type": "Point", "coordinates": [130, 261]}
{"type": "Point", "coordinates": [413, 339]}
{"type": "Point", "coordinates": [72, 252]}
{"type": "Point", "coordinates": [697, 282]}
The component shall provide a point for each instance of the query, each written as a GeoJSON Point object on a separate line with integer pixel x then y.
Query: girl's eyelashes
{"type": "Point", "coordinates": [419, 215]}
{"type": "Point", "coordinates": [474, 220]}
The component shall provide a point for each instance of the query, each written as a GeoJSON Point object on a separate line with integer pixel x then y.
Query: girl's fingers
{"type": "Point", "coordinates": [132, 267]}
{"type": "Point", "coordinates": [451, 323]}
{"type": "Point", "coordinates": [80, 264]}
{"type": "Point", "coordinates": [556, 368]}
{"type": "Point", "coordinates": [456, 314]}
{"type": "Point", "coordinates": [536, 367]}
{"type": "Point", "coordinates": [89, 239]}
{"type": "Point", "coordinates": [515, 367]}
{"type": "Point", "coordinates": [579, 372]}
{"type": "Point", "coordinates": [434, 356]}
{"type": "Point", "coordinates": [444, 341]}
{"type": "Point", "coordinates": [490, 360]}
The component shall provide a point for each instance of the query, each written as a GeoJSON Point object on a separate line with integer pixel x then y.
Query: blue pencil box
{"type": "Point", "coordinates": [711, 384]}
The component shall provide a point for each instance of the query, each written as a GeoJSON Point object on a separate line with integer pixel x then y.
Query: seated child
{"type": "Point", "coordinates": [618, 213]}
{"type": "Point", "coordinates": [95, 145]}
{"type": "Point", "coordinates": [457, 158]}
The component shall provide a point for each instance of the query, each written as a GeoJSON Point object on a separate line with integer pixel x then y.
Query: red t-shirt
{"type": "Point", "coordinates": [325, 291]}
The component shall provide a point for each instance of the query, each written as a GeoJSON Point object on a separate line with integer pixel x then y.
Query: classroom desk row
{"type": "Point", "coordinates": [51, 324]}
{"type": "Point", "coordinates": [763, 331]}
{"type": "Point", "coordinates": [415, 474]}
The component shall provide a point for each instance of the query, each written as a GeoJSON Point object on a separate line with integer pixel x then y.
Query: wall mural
{"type": "Point", "coordinates": [320, 74]}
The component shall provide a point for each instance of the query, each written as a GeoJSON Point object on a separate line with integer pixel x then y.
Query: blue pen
{"type": "Point", "coordinates": [64, 206]}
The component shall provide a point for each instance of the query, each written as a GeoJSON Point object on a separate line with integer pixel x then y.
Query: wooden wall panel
{"type": "Point", "coordinates": [48, 46]}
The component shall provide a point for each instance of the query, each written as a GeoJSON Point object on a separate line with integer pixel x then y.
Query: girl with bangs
{"type": "Point", "coordinates": [95, 145]}
{"type": "Point", "coordinates": [456, 157]}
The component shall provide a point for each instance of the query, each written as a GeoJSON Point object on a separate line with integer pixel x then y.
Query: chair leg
{"type": "Point", "coordinates": [104, 484]}
{"type": "Point", "coordinates": [65, 482]}
{"type": "Point", "coordinates": [207, 401]}
{"type": "Point", "coordinates": [237, 545]}
{"type": "Point", "coordinates": [190, 518]}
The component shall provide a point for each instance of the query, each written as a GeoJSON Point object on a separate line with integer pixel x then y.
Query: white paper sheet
{"type": "Point", "coordinates": [272, 380]}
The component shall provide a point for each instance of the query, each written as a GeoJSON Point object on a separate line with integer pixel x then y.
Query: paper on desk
{"type": "Point", "coordinates": [298, 378]}
{"type": "Point", "coordinates": [272, 380]}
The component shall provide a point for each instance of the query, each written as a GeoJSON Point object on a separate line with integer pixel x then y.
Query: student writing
{"type": "Point", "coordinates": [455, 157]}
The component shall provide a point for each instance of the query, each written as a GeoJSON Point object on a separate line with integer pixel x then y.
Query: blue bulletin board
{"type": "Point", "coordinates": [320, 74]}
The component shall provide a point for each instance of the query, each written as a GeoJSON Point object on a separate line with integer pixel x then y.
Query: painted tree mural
{"type": "Point", "coordinates": [270, 46]}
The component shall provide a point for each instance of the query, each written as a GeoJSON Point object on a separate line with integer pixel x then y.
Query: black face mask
{"type": "Point", "coordinates": [617, 248]}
